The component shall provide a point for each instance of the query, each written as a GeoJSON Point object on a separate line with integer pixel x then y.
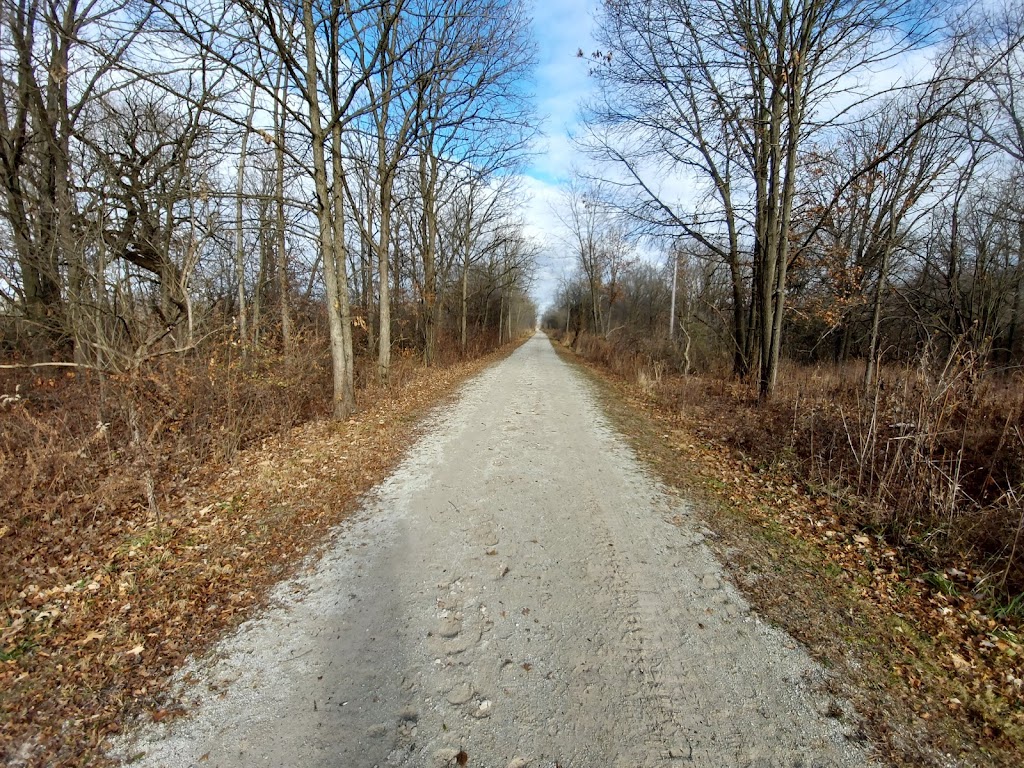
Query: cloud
{"type": "Point", "coordinates": [561, 27]}
{"type": "Point", "coordinates": [541, 200]}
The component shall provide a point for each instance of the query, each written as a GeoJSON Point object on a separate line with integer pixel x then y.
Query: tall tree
{"type": "Point", "coordinates": [726, 92]}
{"type": "Point", "coordinates": [472, 111]}
{"type": "Point", "coordinates": [54, 62]}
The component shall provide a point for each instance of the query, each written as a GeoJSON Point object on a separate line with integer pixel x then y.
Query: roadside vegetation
{"type": "Point", "coordinates": [924, 643]}
{"type": "Point", "coordinates": [242, 246]}
{"type": "Point", "coordinates": [133, 542]}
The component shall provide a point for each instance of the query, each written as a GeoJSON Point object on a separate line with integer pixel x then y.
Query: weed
{"type": "Point", "coordinates": [941, 582]}
{"type": "Point", "coordinates": [932, 458]}
{"type": "Point", "coordinates": [902, 589]}
{"type": "Point", "coordinates": [1012, 609]}
{"type": "Point", "coordinates": [18, 650]}
{"type": "Point", "coordinates": [833, 570]}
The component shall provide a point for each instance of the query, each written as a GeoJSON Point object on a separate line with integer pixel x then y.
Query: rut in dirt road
{"type": "Point", "coordinates": [521, 592]}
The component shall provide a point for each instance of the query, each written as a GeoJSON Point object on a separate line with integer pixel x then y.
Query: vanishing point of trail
{"type": "Point", "coordinates": [519, 592]}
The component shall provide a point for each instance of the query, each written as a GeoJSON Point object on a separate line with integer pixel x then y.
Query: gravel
{"type": "Point", "coordinates": [519, 592]}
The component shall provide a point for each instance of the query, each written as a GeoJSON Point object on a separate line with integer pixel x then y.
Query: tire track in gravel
{"type": "Point", "coordinates": [519, 590]}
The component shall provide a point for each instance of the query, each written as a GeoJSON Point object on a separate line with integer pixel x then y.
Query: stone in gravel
{"type": "Point", "coordinates": [444, 758]}
{"type": "Point", "coordinates": [710, 581]}
{"type": "Point", "coordinates": [376, 731]}
{"type": "Point", "coordinates": [681, 752]}
{"type": "Point", "coordinates": [519, 762]}
{"type": "Point", "coordinates": [410, 715]}
{"type": "Point", "coordinates": [483, 709]}
{"type": "Point", "coordinates": [450, 627]}
{"type": "Point", "coordinates": [460, 694]}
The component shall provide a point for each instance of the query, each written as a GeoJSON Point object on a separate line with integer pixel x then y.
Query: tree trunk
{"type": "Point", "coordinates": [243, 333]}
{"type": "Point", "coordinates": [876, 320]}
{"type": "Point", "coordinates": [342, 399]}
{"type": "Point", "coordinates": [282, 245]}
{"type": "Point", "coordinates": [428, 227]}
{"type": "Point", "coordinates": [384, 302]}
{"type": "Point", "coordinates": [341, 265]}
{"type": "Point", "coordinates": [464, 306]}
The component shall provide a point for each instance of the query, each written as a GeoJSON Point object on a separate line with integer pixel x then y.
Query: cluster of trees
{"type": "Point", "coordinates": [175, 167]}
{"type": "Point", "coordinates": [839, 178]}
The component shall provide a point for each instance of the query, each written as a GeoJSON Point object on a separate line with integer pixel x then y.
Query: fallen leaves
{"type": "Point", "coordinates": [922, 643]}
{"type": "Point", "coordinates": [96, 618]}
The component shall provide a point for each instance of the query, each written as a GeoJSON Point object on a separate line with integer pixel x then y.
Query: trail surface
{"type": "Point", "coordinates": [520, 591]}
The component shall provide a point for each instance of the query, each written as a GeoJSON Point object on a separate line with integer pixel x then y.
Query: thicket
{"type": "Point", "coordinates": [81, 447]}
{"type": "Point", "coordinates": [828, 265]}
{"type": "Point", "coordinates": [207, 236]}
{"type": "Point", "coordinates": [932, 457]}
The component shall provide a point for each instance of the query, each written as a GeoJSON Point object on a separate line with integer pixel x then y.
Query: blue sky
{"type": "Point", "coordinates": [561, 27]}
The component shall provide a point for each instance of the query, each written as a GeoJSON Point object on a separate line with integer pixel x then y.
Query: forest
{"type": "Point", "coordinates": [806, 219]}
{"type": "Point", "coordinates": [223, 224]}
{"type": "Point", "coordinates": [246, 244]}
{"type": "Point", "coordinates": [219, 220]}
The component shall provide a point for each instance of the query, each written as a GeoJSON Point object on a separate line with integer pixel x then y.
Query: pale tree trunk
{"type": "Point", "coordinates": [265, 269]}
{"type": "Point", "coordinates": [467, 243]}
{"type": "Point", "coordinates": [672, 302]}
{"type": "Point", "coordinates": [779, 297]}
{"type": "Point", "coordinates": [337, 299]}
{"type": "Point", "coordinates": [501, 316]}
{"type": "Point", "coordinates": [464, 307]}
{"type": "Point", "coordinates": [383, 267]}
{"type": "Point", "coordinates": [876, 319]}
{"type": "Point", "coordinates": [341, 265]}
{"type": "Point", "coordinates": [367, 259]}
{"type": "Point", "coordinates": [778, 187]}
{"type": "Point", "coordinates": [428, 180]}
{"type": "Point", "coordinates": [282, 245]}
{"type": "Point", "coordinates": [243, 330]}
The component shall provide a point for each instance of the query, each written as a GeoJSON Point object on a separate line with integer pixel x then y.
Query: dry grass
{"type": "Point", "coordinates": [932, 456]}
{"type": "Point", "coordinates": [145, 516]}
{"type": "Point", "coordinates": [931, 669]}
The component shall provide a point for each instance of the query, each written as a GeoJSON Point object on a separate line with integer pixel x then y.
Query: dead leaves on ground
{"type": "Point", "coordinates": [938, 649]}
{"type": "Point", "coordinates": [946, 655]}
{"type": "Point", "coordinates": [96, 619]}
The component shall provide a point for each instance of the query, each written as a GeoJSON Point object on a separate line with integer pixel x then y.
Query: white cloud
{"type": "Point", "coordinates": [562, 27]}
{"type": "Point", "coordinates": [541, 224]}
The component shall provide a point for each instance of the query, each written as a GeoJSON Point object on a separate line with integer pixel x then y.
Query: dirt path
{"type": "Point", "coordinates": [520, 590]}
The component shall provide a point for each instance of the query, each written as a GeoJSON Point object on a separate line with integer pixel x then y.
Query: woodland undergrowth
{"type": "Point", "coordinates": [911, 497]}
{"type": "Point", "coordinates": [931, 456]}
{"type": "Point", "coordinates": [145, 513]}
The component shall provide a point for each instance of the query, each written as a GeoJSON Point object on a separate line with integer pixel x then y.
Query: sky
{"type": "Point", "coordinates": [561, 28]}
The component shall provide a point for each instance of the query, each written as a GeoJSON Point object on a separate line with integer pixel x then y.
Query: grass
{"type": "Point", "coordinates": [932, 456]}
{"type": "Point", "coordinates": [915, 653]}
{"type": "Point", "coordinates": [102, 600]}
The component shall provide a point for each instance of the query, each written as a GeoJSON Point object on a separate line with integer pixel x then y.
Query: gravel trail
{"type": "Point", "coordinates": [521, 591]}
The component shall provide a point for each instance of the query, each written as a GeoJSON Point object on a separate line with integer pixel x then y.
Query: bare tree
{"type": "Point", "coordinates": [472, 111]}
{"type": "Point", "coordinates": [51, 70]}
{"type": "Point", "coordinates": [725, 91]}
{"type": "Point", "coordinates": [857, 227]}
